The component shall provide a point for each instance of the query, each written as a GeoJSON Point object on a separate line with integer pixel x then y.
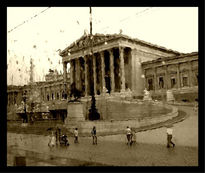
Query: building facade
{"type": "Point", "coordinates": [114, 66]}
{"type": "Point", "coordinates": [49, 94]}
{"type": "Point", "coordinates": [177, 73]}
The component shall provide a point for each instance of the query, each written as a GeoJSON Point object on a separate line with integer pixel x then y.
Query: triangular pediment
{"type": "Point", "coordinates": [85, 41]}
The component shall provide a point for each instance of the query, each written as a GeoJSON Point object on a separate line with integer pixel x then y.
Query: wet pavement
{"type": "Point", "coordinates": [150, 149]}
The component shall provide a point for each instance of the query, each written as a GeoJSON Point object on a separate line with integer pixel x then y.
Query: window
{"type": "Point", "coordinates": [150, 84]}
{"type": "Point", "coordinates": [57, 96]}
{"type": "Point", "coordinates": [63, 94]}
{"type": "Point", "coordinates": [185, 81]}
{"type": "Point", "coordinates": [52, 96]}
{"type": "Point", "coordinates": [48, 97]}
{"type": "Point", "coordinates": [173, 82]}
{"type": "Point", "coordinates": [161, 82]}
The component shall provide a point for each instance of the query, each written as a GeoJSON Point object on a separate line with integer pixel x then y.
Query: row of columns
{"type": "Point", "coordinates": [102, 58]}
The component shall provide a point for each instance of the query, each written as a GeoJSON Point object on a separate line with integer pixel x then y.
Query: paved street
{"type": "Point", "coordinates": [150, 149]}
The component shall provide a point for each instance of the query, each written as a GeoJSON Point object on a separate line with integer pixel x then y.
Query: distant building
{"type": "Point", "coordinates": [49, 93]}
{"type": "Point", "coordinates": [176, 73]}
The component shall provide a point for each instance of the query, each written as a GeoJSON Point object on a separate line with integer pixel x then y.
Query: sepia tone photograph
{"type": "Point", "coordinates": [102, 86]}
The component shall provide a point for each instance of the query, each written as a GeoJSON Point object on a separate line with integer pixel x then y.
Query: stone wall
{"type": "Point", "coordinates": [115, 126]}
{"type": "Point", "coordinates": [117, 113]}
{"type": "Point", "coordinates": [117, 108]}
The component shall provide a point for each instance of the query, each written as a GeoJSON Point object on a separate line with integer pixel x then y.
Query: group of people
{"type": "Point", "coordinates": [131, 136]}
{"type": "Point", "coordinates": [130, 133]}
{"type": "Point", "coordinates": [57, 139]}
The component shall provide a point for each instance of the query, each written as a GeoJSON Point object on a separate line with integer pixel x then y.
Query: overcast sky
{"type": "Point", "coordinates": [56, 28]}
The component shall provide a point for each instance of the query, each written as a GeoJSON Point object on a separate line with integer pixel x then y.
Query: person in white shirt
{"type": "Point", "coordinates": [76, 135]}
{"type": "Point", "coordinates": [128, 133]}
{"type": "Point", "coordinates": [169, 136]}
{"type": "Point", "coordinates": [52, 140]}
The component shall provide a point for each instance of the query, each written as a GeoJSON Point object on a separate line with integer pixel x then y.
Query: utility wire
{"type": "Point", "coordinates": [28, 20]}
{"type": "Point", "coordinates": [126, 18]}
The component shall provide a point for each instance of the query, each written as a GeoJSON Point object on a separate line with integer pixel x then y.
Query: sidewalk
{"type": "Point", "coordinates": [150, 149]}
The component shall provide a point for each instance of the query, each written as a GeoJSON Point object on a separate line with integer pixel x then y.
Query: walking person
{"type": "Point", "coordinates": [76, 135]}
{"type": "Point", "coordinates": [128, 134]}
{"type": "Point", "coordinates": [57, 136]}
{"type": "Point", "coordinates": [93, 132]}
{"type": "Point", "coordinates": [52, 140]}
{"type": "Point", "coordinates": [169, 136]}
{"type": "Point", "coordinates": [133, 137]}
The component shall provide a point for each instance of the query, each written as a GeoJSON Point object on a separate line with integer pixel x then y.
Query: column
{"type": "Point", "coordinates": [112, 75]}
{"type": "Point", "coordinates": [94, 74]}
{"type": "Point", "coordinates": [122, 70]}
{"type": "Point", "coordinates": [64, 77]}
{"type": "Point", "coordinates": [133, 69]}
{"type": "Point", "coordinates": [102, 69]}
{"type": "Point", "coordinates": [86, 76]}
{"type": "Point", "coordinates": [50, 94]}
{"type": "Point", "coordinates": [71, 72]}
{"type": "Point", "coordinates": [166, 78]}
{"type": "Point", "coordinates": [77, 77]}
{"type": "Point", "coordinates": [60, 92]}
{"type": "Point", "coordinates": [45, 95]}
{"type": "Point", "coordinates": [178, 77]}
{"type": "Point", "coordinates": [145, 80]}
{"type": "Point", "coordinates": [71, 77]}
{"type": "Point", "coordinates": [190, 74]}
{"type": "Point", "coordinates": [13, 98]}
{"type": "Point", "coordinates": [155, 78]}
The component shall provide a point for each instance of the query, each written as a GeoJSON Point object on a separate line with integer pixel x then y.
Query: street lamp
{"type": "Point", "coordinates": [93, 112]}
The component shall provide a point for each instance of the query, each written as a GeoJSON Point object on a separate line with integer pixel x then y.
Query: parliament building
{"type": "Point", "coordinates": [117, 64]}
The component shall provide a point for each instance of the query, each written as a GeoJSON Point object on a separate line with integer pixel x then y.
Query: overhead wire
{"type": "Point", "coordinates": [28, 20]}
{"type": "Point", "coordinates": [126, 18]}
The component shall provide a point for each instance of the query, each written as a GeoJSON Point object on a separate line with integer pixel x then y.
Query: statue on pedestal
{"type": "Point", "coordinates": [75, 94]}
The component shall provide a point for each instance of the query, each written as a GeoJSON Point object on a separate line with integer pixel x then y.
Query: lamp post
{"type": "Point", "coordinates": [93, 112]}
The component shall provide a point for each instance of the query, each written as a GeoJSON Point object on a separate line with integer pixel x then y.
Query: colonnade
{"type": "Point", "coordinates": [97, 73]}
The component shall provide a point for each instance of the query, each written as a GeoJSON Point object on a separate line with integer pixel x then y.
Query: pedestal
{"type": "Point", "coordinates": [170, 96]}
{"type": "Point", "coordinates": [74, 112]}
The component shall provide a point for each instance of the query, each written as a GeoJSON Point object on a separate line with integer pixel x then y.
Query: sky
{"type": "Point", "coordinates": [42, 34]}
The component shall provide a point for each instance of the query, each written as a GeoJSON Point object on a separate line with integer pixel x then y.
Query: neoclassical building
{"type": "Point", "coordinates": [177, 73]}
{"type": "Point", "coordinates": [115, 65]}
